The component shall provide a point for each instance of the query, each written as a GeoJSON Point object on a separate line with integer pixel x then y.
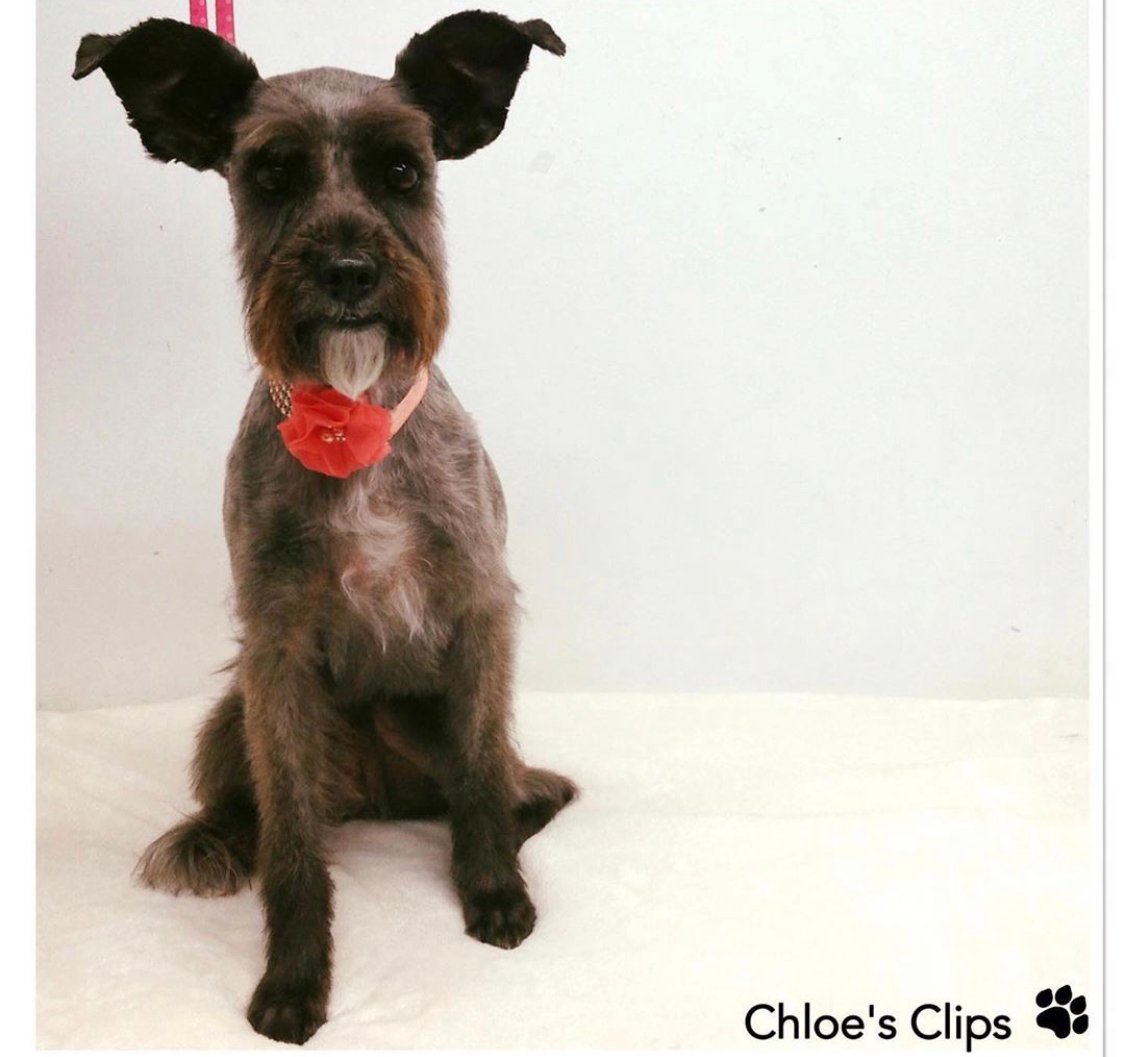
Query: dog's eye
{"type": "Point", "coordinates": [402, 176]}
{"type": "Point", "coordinates": [272, 178]}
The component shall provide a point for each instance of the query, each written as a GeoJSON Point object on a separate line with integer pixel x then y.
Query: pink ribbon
{"type": "Point", "coordinates": [224, 17]}
{"type": "Point", "coordinates": [198, 9]}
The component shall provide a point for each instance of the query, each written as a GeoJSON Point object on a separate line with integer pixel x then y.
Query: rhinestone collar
{"type": "Point", "coordinates": [281, 393]}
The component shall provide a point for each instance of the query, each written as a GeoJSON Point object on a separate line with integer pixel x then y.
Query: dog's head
{"type": "Point", "coordinates": [332, 176]}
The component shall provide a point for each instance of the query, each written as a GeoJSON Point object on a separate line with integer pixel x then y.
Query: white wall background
{"type": "Point", "coordinates": [773, 316]}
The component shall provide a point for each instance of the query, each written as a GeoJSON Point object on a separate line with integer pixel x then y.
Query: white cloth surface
{"type": "Point", "coordinates": [726, 850]}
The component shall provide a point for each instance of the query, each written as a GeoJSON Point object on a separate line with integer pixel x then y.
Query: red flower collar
{"type": "Point", "coordinates": [335, 435]}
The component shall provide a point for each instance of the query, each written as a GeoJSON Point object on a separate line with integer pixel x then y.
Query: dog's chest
{"type": "Point", "coordinates": [383, 560]}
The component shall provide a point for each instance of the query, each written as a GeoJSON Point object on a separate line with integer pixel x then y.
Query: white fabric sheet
{"type": "Point", "coordinates": [726, 851]}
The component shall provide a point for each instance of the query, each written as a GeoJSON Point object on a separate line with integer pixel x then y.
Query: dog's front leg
{"type": "Point", "coordinates": [285, 729]}
{"type": "Point", "coordinates": [481, 781]}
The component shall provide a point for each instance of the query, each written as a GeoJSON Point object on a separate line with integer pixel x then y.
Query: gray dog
{"type": "Point", "coordinates": [374, 677]}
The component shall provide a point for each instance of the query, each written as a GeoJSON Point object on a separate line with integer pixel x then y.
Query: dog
{"type": "Point", "coordinates": [365, 522]}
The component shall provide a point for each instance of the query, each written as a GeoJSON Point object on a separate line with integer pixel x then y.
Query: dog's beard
{"type": "Point", "coordinates": [351, 361]}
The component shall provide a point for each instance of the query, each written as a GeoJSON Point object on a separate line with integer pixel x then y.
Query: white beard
{"type": "Point", "coordinates": [352, 360]}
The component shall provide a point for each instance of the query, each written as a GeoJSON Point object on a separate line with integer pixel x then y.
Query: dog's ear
{"type": "Point", "coordinates": [463, 72]}
{"type": "Point", "coordinates": [182, 87]}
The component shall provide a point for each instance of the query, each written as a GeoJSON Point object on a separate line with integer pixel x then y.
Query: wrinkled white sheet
{"type": "Point", "coordinates": [726, 851]}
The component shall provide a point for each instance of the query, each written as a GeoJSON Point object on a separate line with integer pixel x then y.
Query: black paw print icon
{"type": "Point", "coordinates": [1063, 1012]}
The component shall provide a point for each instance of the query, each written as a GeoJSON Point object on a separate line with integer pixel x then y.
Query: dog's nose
{"type": "Point", "coordinates": [349, 279]}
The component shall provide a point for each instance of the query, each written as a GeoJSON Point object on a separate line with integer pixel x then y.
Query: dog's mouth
{"type": "Point", "coordinates": [355, 321]}
{"type": "Point", "coordinates": [397, 330]}
{"type": "Point", "coordinates": [315, 327]}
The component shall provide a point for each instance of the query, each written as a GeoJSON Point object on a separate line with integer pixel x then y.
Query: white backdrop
{"type": "Point", "coordinates": [773, 316]}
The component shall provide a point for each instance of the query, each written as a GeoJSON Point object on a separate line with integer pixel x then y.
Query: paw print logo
{"type": "Point", "coordinates": [1063, 1012]}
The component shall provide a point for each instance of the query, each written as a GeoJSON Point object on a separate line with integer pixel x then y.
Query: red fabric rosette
{"type": "Point", "coordinates": [333, 434]}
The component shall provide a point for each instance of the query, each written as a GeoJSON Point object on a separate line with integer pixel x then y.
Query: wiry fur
{"type": "Point", "coordinates": [381, 578]}
{"type": "Point", "coordinates": [378, 618]}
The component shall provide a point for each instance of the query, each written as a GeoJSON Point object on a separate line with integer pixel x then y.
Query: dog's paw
{"type": "Point", "coordinates": [287, 1013]}
{"type": "Point", "coordinates": [502, 917]}
{"type": "Point", "coordinates": [193, 856]}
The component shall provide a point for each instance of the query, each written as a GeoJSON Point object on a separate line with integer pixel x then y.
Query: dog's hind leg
{"type": "Point", "coordinates": [212, 852]}
{"type": "Point", "coordinates": [542, 794]}
{"type": "Point", "coordinates": [416, 759]}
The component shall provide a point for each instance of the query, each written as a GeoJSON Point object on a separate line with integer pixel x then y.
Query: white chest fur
{"type": "Point", "coordinates": [381, 564]}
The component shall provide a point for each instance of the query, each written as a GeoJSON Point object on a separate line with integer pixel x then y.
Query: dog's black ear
{"type": "Point", "coordinates": [463, 72]}
{"type": "Point", "coordinates": [182, 87]}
